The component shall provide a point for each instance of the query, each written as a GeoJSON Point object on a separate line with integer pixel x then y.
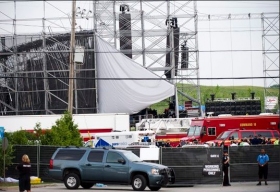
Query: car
{"type": "Point", "coordinates": [87, 166]}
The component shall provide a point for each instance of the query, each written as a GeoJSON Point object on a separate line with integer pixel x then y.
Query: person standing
{"type": "Point", "coordinates": [225, 169]}
{"type": "Point", "coordinates": [24, 169]}
{"type": "Point", "coordinates": [263, 166]}
{"type": "Point", "coordinates": [276, 142]}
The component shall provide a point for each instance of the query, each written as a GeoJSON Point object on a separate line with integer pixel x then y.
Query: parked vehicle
{"type": "Point", "coordinates": [87, 166]}
{"type": "Point", "coordinates": [120, 139]}
{"type": "Point", "coordinates": [208, 128]}
{"type": "Point", "coordinates": [226, 137]}
{"type": "Point", "coordinates": [88, 124]}
{"type": "Point", "coordinates": [169, 130]}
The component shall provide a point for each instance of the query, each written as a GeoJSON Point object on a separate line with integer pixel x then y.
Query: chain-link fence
{"type": "Point", "coordinates": [191, 165]}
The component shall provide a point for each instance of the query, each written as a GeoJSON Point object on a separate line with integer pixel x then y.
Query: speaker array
{"type": "Point", "coordinates": [234, 107]}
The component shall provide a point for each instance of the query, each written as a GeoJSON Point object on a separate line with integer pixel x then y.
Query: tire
{"type": "Point", "coordinates": [72, 181]}
{"type": "Point", "coordinates": [87, 185]}
{"type": "Point", "coordinates": [154, 188]}
{"type": "Point", "coordinates": [139, 183]}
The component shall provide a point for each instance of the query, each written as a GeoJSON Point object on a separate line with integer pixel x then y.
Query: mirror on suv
{"type": "Point", "coordinates": [122, 161]}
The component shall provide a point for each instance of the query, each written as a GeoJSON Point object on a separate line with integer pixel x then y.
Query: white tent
{"type": "Point", "coordinates": [116, 94]}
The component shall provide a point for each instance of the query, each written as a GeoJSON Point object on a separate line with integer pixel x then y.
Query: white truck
{"type": "Point", "coordinates": [121, 139]}
{"type": "Point", "coordinates": [88, 124]}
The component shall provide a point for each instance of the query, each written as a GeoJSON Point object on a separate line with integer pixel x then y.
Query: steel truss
{"type": "Point", "coordinates": [151, 26]}
{"type": "Point", "coordinates": [45, 55]}
{"type": "Point", "coordinates": [270, 47]}
{"type": "Point", "coordinates": [149, 32]}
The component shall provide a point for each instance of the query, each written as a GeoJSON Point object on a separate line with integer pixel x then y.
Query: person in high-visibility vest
{"type": "Point", "coordinates": [276, 142]}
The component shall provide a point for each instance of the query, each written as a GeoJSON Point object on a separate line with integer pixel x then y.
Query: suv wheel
{"type": "Point", "coordinates": [72, 181]}
{"type": "Point", "coordinates": [87, 185]}
{"type": "Point", "coordinates": [154, 188]}
{"type": "Point", "coordinates": [139, 183]}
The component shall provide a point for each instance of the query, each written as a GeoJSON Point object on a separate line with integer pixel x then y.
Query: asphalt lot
{"type": "Point", "coordinates": [235, 187]}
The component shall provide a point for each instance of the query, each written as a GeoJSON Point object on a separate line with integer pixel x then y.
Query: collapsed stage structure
{"type": "Point", "coordinates": [34, 68]}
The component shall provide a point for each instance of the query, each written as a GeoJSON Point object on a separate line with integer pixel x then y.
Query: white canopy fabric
{"type": "Point", "coordinates": [126, 96]}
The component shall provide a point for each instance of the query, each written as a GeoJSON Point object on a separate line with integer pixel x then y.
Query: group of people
{"type": "Point", "coordinates": [262, 161]}
{"type": "Point", "coordinates": [257, 140]}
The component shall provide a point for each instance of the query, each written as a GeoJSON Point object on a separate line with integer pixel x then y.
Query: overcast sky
{"type": "Point", "coordinates": [244, 35]}
{"type": "Point", "coordinates": [212, 35]}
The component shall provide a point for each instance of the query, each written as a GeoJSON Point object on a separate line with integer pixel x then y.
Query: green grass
{"type": "Point", "coordinates": [7, 184]}
{"type": "Point", "coordinates": [219, 91]}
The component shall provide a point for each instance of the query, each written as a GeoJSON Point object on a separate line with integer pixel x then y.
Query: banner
{"type": "Point", "coordinates": [2, 131]}
{"type": "Point", "coordinates": [271, 102]}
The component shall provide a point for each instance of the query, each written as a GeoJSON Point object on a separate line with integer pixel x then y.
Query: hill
{"type": "Point", "coordinates": [220, 92]}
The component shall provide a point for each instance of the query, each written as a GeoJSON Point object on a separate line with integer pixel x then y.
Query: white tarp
{"type": "Point", "coordinates": [126, 96]}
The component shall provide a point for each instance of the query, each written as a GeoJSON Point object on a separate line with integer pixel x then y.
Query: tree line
{"type": "Point", "coordinates": [64, 133]}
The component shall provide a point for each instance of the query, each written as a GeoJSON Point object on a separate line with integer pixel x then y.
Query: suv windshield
{"type": "Point", "coordinates": [194, 131]}
{"type": "Point", "coordinates": [131, 156]}
{"type": "Point", "coordinates": [224, 135]}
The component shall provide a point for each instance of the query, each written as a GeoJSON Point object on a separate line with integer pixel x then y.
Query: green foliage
{"type": "Point", "coordinates": [275, 86]}
{"type": "Point", "coordinates": [20, 137]}
{"type": "Point", "coordinates": [64, 132]}
{"type": "Point", "coordinates": [8, 157]}
{"type": "Point", "coordinates": [217, 90]}
{"type": "Point", "coordinates": [46, 138]}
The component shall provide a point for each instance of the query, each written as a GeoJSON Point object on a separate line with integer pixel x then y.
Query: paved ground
{"type": "Point", "coordinates": [236, 187]}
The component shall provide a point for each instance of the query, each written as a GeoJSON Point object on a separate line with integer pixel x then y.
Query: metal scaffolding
{"type": "Point", "coordinates": [270, 47]}
{"type": "Point", "coordinates": [160, 35]}
{"type": "Point", "coordinates": [147, 27]}
{"type": "Point", "coordinates": [35, 67]}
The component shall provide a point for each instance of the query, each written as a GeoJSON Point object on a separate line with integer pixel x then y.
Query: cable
{"type": "Point", "coordinates": [251, 52]}
{"type": "Point", "coordinates": [210, 50]}
{"type": "Point", "coordinates": [57, 8]}
{"type": "Point", "coordinates": [6, 15]}
{"type": "Point", "coordinates": [231, 52]}
{"type": "Point", "coordinates": [139, 79]}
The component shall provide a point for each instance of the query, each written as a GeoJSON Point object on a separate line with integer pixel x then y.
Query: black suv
{"type": "Point", "coordinates": [87, 166]}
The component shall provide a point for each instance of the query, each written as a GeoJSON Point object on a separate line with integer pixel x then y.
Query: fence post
{"type": "Point", "coordinates": [229, 164]}
{"type": "Point", "coordinates": [38, 159]}
{"type": "Point", "coordinates": [160, 155]}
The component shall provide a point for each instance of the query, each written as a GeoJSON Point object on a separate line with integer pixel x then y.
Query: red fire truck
{"type": "Point", "coordinates": [208, 128]}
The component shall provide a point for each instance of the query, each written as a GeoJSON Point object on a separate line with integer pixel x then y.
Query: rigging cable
{"type": "Point", "coordinates": [231, 51]}
{"type": "Point", "coordinates": [249, 15]}
{"type": "Point", "coordinates": [211, 72]}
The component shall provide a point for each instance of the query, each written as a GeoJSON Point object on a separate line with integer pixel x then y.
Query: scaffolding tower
{"type": "Point", "coordinates": [270, 48]}
{"type": "Point", "coordinates": [160, 35]}
{"type": "Point", "coordinates": [34, 68]}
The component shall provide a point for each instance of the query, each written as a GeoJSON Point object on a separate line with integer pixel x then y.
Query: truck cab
{"type": "Point", "coordinates": [225, 138]}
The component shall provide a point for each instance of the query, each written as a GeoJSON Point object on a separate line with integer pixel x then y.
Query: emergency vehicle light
{"type": "Point", "coordinates": [222, 125]}
{"type": "Point", "coordinates": [272, 123]}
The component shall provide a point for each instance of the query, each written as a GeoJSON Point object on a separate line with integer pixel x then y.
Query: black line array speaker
{"type": "Point", "coordinates": [234, 107]}
{"type": "Point", "coordinates": [176, 37]}
{"type": "Point", "coordinates": [125, 33]}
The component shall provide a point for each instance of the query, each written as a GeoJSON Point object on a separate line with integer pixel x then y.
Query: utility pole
{"type": "Point", "coordinates": [71, 60]}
